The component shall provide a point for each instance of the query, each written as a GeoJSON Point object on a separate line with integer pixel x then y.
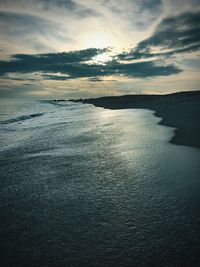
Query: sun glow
{"type": "Point", "coordinates": [98, 40]}
{"type": "Point", "coordinates": [102, 58]}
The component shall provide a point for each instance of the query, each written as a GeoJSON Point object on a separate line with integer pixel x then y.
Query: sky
{"type": "Point", "coordinates": [89, 48]}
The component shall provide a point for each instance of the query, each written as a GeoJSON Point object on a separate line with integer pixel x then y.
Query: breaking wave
{"type": "Point", "coordinates": [59, 102]}
{"type": "Point", "coordinates": [22, 118]}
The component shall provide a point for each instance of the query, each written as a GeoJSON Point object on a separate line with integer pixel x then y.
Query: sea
{"type": "Point", "coordinates": [84, 186]}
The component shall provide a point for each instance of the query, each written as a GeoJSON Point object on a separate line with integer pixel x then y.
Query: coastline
{"type": "Point", "coordinates": [179, 110]}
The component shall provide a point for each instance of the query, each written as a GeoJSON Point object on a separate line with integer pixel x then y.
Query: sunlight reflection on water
{"type": "Point", "coordinates": [84, 186]}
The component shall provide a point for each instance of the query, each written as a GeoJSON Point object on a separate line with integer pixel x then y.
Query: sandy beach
{"type": "Point", "coordinates": [179, 110]}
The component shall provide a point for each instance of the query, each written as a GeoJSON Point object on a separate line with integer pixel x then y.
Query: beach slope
{"type": "Point", "coordinates": [179, 110]}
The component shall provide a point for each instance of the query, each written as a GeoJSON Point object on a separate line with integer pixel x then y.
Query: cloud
{"type": "Point", "coordinates": [172, 35]}
{"type": "Point", "coordinates": [138, 13]}
{"type": "Point", "coordinates": [22, 23]}
{"type": "Point", "coordinates": [144, 69]}
{"type": "Point", "coordinates": [134, 6]}
{"type": "Point", "coordinates": [163, 35]}
{"type": "Point", "coordinates": [149, 4]}
{"type": "Point", "coordinates": [20, 31]}
{"type": "Point", "coordinates": [67, 62]}
{"type": "Point", "coordinates": [175, 32]}
{"type": "Point", "coordinates": [65, 57]}
{"type": "Point", "coordinates": [68, 4]}
{"type": "Point", "coordinates": [73, 65]}
{"type": "Point", "coordinates": [43, 26]}
{"type": "Point", "coordinates": [78, 9]}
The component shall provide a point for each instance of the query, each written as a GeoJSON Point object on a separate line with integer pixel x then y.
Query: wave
{"type": "Point", "coordinates": [22, 118]}
{"type": "Point", "coordinates": [59, 102]}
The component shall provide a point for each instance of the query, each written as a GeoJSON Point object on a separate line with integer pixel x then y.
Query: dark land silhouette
{"type": "Point", "coordinates": [179, 110]}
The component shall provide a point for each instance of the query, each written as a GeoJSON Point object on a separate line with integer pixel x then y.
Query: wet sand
{"type": "Point", "coordinates": [179, 110]}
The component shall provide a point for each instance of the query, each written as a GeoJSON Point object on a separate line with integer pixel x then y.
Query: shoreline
{"type": "Point", "coordinates": [177, 110]}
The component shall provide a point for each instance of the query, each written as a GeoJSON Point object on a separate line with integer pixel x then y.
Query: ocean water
{"type": "Point", "coordinates": [85, 186]}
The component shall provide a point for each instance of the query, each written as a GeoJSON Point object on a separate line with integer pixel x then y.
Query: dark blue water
{"type": "Point", "coordinates": [83, 186]}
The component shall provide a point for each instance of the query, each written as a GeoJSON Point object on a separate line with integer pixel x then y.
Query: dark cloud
{"type": "Point", "coordinates": [59, 58]}
{"type": "Point", "coordinates": [74, 65]}
{"type": "Point", "coordinates": [143, 69]}
{"type": "Point", "coordinates": [175, 32]}
{"type": "Point", "coordinates": [150, 5]}
{"type": "Point", "coordinates": [70, 62]}
{"type": "Point", "coordinates": [178, 34]}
